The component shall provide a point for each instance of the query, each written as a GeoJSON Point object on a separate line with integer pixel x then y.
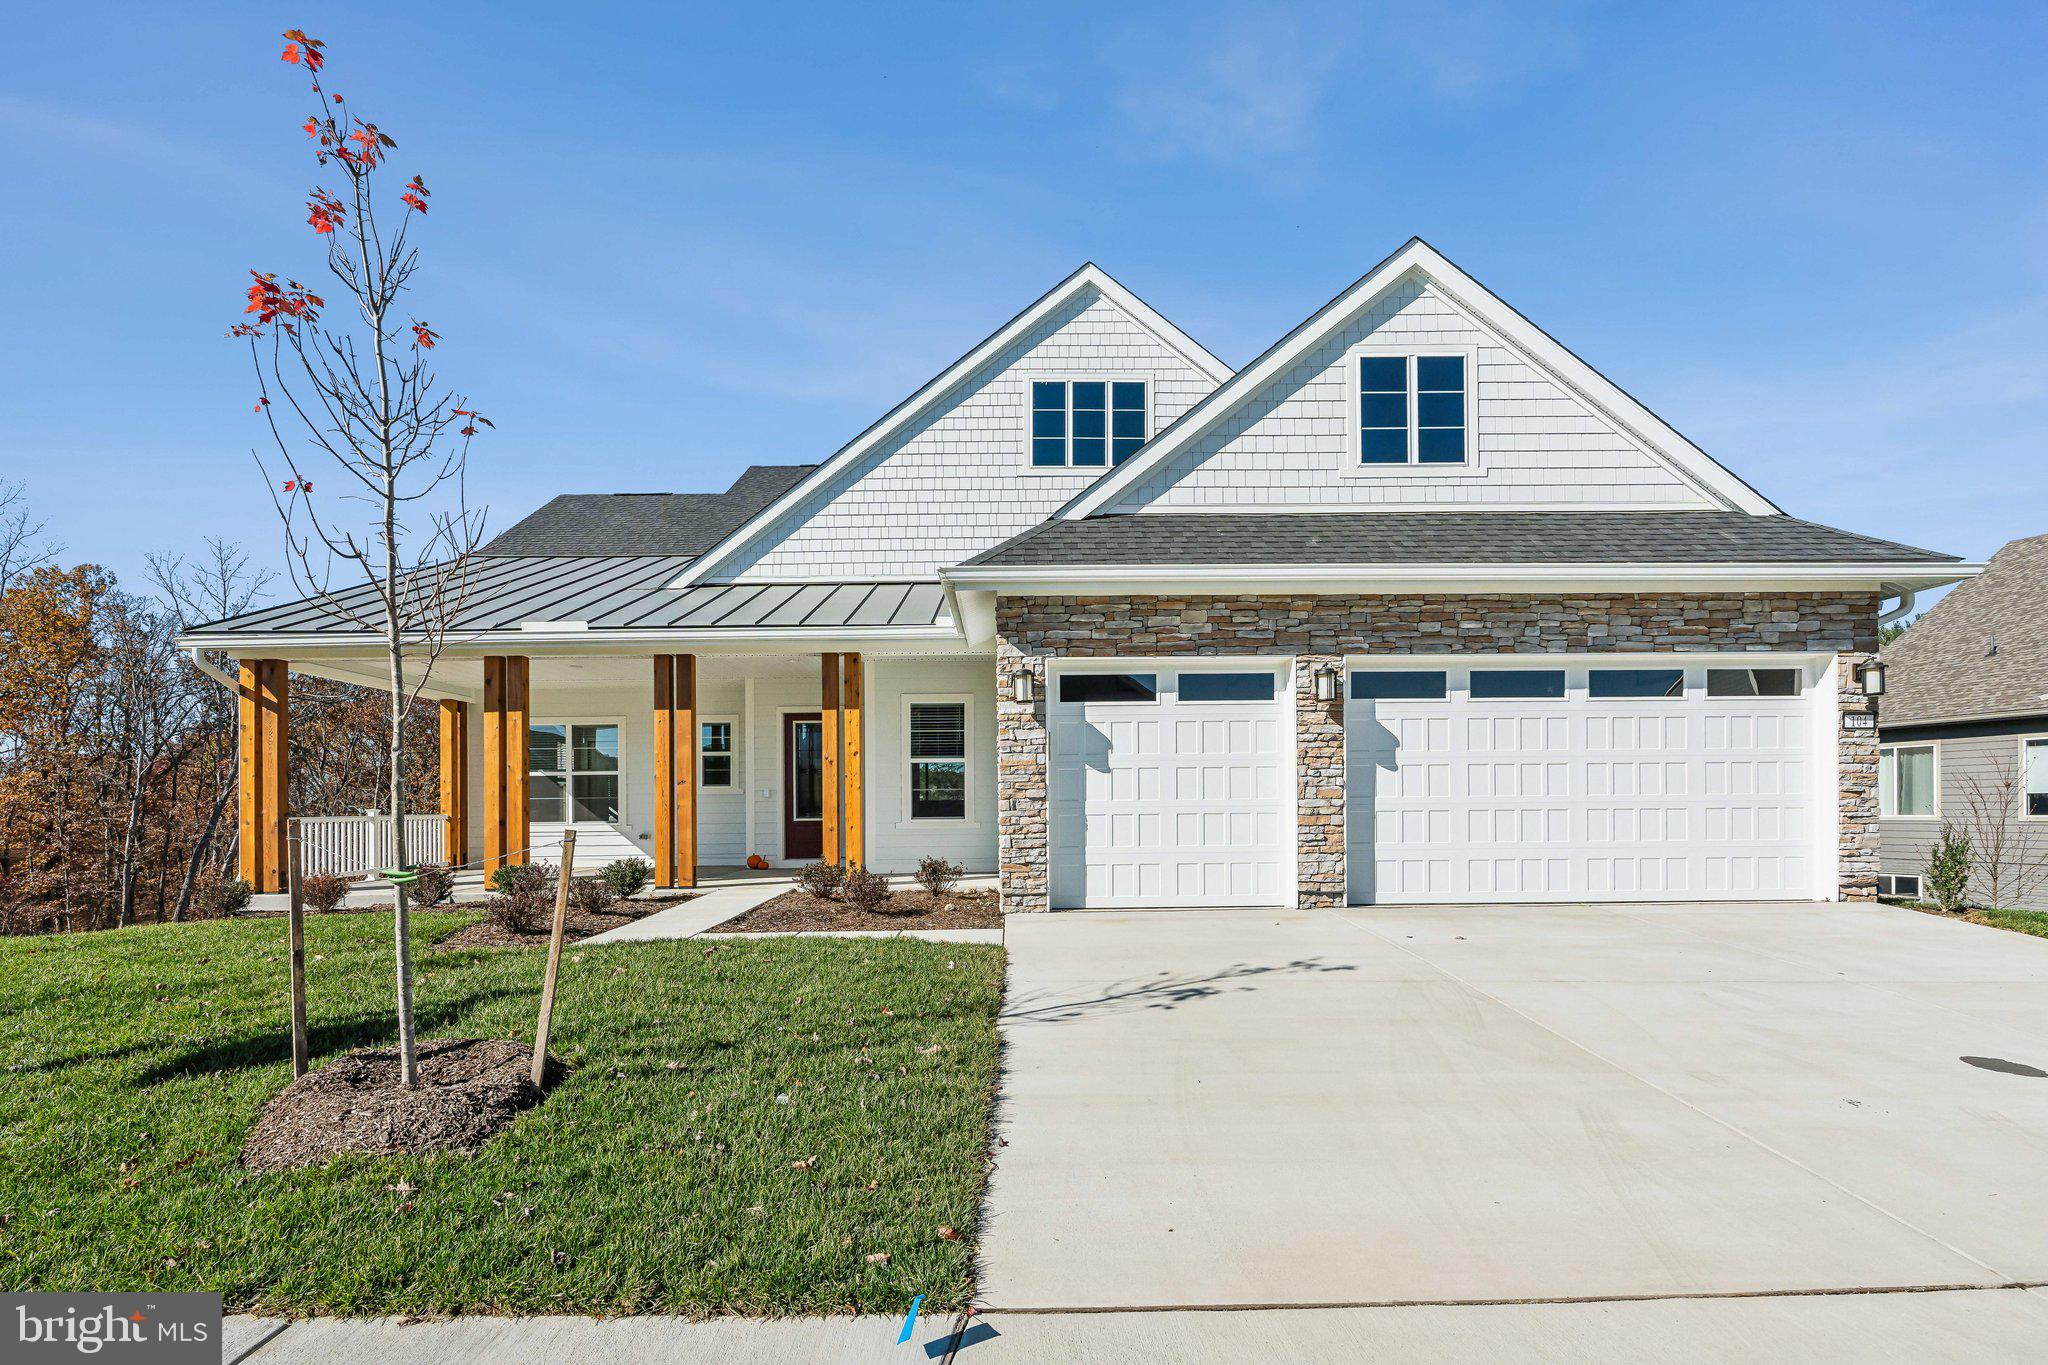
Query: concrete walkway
{"type": "Point", "coordinates": [1958, 1326]}
{"type": "Point", "coordinates": [1245, 1108]}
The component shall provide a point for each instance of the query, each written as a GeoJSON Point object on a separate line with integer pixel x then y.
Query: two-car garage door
{"type": "Point", "coordinates": [1515, 781]}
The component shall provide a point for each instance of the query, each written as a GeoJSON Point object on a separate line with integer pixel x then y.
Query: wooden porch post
{"type": "Point", "coordinates": [675, 770]}
{"type": "Point", "coordinates": [494, 763]}
{"type": "Point", "coordinates": [455, 780]}
{"type": "Point", "coordinates": [518, 780]}
{"type": "Point", "coordinates": [852, 690]}
{"type": "Point", "coordinates": [828, 715]}
{"type": "Point", "coordinates": [263, 775]}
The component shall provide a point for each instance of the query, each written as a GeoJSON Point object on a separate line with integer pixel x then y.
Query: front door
{"type": "Point", "coordinates": [803, 786]}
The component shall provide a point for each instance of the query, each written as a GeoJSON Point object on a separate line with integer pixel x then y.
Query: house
{"type": "Point", "coordinates": [1965, 731]}
{"type": "Point", "coordinates": [1417, 606]}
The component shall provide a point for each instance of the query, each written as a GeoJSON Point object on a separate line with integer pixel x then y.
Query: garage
{"type": "Point", "coordinates": [1171, 784]}
{"type": "Point", "coordinates": [1526, 779]}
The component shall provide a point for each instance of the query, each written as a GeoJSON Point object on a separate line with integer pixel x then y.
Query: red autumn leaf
{"type": "Point", "coordinates": [291, 52]}
{"type": "Point", "coordinates": [418, 205]}
{"type": "Point", "coordinates": [311, 127]}
{"type": "Point", "coordinates": [424, 335]}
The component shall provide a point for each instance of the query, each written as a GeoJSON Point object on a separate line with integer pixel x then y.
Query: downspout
{"type": "Point", "coordinates": [197, 654]}
{"type": "Point", "coordinates": [1906, 596]}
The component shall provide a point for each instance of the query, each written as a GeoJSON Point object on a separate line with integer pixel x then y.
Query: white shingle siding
{"type": "Point", "coordinates": [956, 482]}
{"type": "Point", "coordinates": [1290, 444]}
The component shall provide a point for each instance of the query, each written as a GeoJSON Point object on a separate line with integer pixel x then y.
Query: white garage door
{"type": "Point", "coordinates": [1516, 781]}
{"type": "Point", "coordinates": [1172, 785]}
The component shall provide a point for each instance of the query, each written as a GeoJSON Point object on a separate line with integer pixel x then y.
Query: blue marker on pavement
{"type": "Point", "coordinates": [910, 1323]}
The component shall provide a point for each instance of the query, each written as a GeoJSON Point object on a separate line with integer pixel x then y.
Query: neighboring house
{"type": "Point", "coordinates": [1415, 607]}
{"type": "Point", "coordinates": [1965, 729]}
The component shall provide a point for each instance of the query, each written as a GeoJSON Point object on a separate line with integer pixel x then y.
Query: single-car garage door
{"type": "Point", "coordinates": [1172, 785]}
{"type": "Point", "coordinates": [1517, 780]}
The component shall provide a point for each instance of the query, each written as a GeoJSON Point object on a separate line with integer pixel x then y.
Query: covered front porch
{"type": "Point", "coordinates": [694, 761]}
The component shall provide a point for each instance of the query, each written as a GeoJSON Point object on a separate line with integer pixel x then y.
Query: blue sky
{"type": "Point", "coordinates": [668, 241]}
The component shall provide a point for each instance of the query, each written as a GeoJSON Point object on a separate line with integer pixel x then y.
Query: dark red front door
{"type": "Point", "coordinates": [803, 785]}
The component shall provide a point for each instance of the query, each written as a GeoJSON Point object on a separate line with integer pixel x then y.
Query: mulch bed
{"type": "Point", "coordinates": [910, 908]}
{"type": "Point", "coordinates": [578, 925]}
{"type": "Point", "coordinates": [470, 1088]}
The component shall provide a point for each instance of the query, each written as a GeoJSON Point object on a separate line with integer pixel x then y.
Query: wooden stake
{"type": "Point", "coordinates": [297, 918]}
{"type": "Point", "coordinates": [547, 988]}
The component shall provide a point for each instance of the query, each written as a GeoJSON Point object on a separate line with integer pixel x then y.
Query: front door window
{"type": "Point", "coordinates": [807, 770]}
{"type": "Point", "coordinates": [575, 773]}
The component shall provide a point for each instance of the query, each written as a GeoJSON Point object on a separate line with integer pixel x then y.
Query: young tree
{"type": "Point", "coordinates": [2004, 871]}
{"type": "Point", "coordinates": [358, 399]}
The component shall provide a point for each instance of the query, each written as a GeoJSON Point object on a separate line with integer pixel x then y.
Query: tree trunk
{"type": "Point", "coordinates": [185, 888]}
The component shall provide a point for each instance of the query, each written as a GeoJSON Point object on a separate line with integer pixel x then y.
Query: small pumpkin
{"type": "Point", "coordinates": [756, 861]}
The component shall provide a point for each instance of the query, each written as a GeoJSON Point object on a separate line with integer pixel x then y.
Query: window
{"type": "Point", "coordinates": [574, 773]}
{"type": "Point", "coordinates": [1905, 780]}
{"type": "Point", "coordinates": [2035, 780]}
{"type": "Point", "coordinates": [1412, 409]}
{"type": "Point", "coordinates": [1636, 682]}
{"type": "Point", "coordinates": [1109, 687]}
{"type": "Point", "coordinates": [1752, 682]}
{"type": "Point", "coordinates": [938, 760]}
{"type": "Point", "coordinates": [1517, 684]}
{"type": "Point", "coordinates": [1905, 884]}
{"type": "Point", "coordinates": [1226, 687]}
{"type": "Point", "coordinates": [1392, 686]}
{"type": "Point", "coordinates": [1086, 423]}
{"type": "Point", "coordinates": [714, 754]}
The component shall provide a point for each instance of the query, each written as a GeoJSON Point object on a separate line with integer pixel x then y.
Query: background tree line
{"type": "Point", "coordinates": [117, 755]}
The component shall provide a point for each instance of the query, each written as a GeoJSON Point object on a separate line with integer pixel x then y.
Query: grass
{"type": "Point", "coordinates": [657, 1177]}
{"type": "Point", "coordinates": [2033, 922]}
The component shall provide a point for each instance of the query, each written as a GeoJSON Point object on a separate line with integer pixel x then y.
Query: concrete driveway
{"type": "Point", "coordinates": [1449, 1106]}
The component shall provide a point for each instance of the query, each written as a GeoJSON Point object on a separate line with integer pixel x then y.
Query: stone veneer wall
{"type": "Point", "coordinates": [1322, 630]}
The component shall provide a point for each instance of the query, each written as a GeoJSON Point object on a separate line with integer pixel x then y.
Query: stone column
{"type": "Point", "coordinates": [1856, 870]}
{"type": "Point", "coordinates": [1319, 783]}
{"type": "Point", "coordinates": [1022, 814]}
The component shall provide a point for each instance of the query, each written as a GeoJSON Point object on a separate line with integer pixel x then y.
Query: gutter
{"type": "Point", "coordinates": [197, 654]}
{"type": "Point", "coordinates": [1329, 577]}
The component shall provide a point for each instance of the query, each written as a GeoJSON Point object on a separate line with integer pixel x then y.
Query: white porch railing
{"type": "Point", "coordinates": [352, 844]}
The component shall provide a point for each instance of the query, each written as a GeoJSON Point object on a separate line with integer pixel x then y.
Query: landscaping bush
{"type": "Point", "coordinates": [626, 876]}
{"type": "Point", "coordinates": [431, 885]}
{"type": "Point", "coordinates": [323, 890]}
{"type": "Point", "coordinates": [1948, 870]}
{"type": "Point", "coordinates": [865, 890]}
{"type": "Point", "coordinates": [821, 879]}
{"type": "Point", "coordinates": [591, 895]}
{"type": "Point", "coordinates": [523, 912]}
{"type": "Point", "coordinates": [226, 898]}
{"type": "Point", "coordinates": [524, 879]}
{"type": "Point", "coordinates": [936, 875]}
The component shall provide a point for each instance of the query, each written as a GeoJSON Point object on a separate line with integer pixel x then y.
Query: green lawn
{"type": "Point", "coordinates": [2021, 921]}
{"type": "Point", "coordinates": [657, 1177]}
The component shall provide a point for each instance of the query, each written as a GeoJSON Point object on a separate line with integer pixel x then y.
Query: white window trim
{"type": "Point", "coordinates": [2025, 740]}
{"type": "Point", "coordinates": [736, 786]}
{"type": "Point", "coordinates": [1887, 801]}
{"type": "Point", "coordinates": [569, 773]}
{"type": "Point", "coordinates": [1151, 383]}
{"type": "Point", "coordinates": [1414, 468]}
{"type": "Point", "coordinates": [965, 820]}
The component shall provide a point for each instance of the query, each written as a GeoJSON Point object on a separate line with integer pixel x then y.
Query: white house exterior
{"type": "Point", "coordinates": [1415, 607]}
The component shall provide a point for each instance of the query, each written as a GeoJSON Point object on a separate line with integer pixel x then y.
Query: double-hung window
{"type": "Point", "coordinates": [574, 773]}
{"type": "Point", "coordinates": [937, 759]}
{"type": "Point", "coordinates": [1087, 423]}
{"type": "Point", "coordinates": [1905, 780]}
{"type": "Point", "coordinates": [715, 754]}
{"type": "Point", "coordinates": [1414, 409]}
{"type": "Point", "coordinates": [2034, 778]}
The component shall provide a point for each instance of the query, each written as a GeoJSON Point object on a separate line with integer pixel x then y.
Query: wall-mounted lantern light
{"type": "Point", "coordinates": [1020, 686]}
{"type": "Point", "coordinates": [1872, 676]}
{"type": "Point", "coordinates": [1327, 678]}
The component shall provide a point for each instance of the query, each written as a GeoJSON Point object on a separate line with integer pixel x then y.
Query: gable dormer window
{"type": "Point", "coordinates": [1413, 408]}
{"type": "Point", "coordinates": [1087, 423]}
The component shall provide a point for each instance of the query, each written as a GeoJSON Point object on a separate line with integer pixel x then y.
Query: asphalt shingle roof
{"type": "Point", "coordinates": [1945, 667]}
{"type": "Point", "coordinates": [644, 523]}
{"type": "Point", "coordinates": [1333, 538]}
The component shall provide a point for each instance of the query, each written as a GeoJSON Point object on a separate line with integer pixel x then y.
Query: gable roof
{"type": "Point", "coordinates": [1945, 668]}
{"type": "Point", "coordinates": [1514, 331]}
{"type": "Point", "coordinates": [1089, 277]}
{"type": "Point", "coordinates": [643, 523]}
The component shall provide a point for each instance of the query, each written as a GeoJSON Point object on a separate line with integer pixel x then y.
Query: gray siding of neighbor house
{"type": "Point", "coordinates": [1905, 844]}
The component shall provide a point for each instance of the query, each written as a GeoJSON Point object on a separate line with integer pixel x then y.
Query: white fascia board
{"type": "Point", "coordinates": [1515, 331]}
{"type": "Point", "coordinates": [1517, 578]}
{"type": "Point", "coordinates": [739, 640]}
{"type": "Point", "coordinates": [1089, 277]}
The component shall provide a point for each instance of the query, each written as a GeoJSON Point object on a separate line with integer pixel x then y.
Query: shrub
{"type": "Point", "coordinates": [591, 895]}
{"type": "Point", "coordinates": [323, 890]}
{"type": "Point", "coordinates": [627, 876]}
{"type": "Point", "coordinates": [226, 898]}
{"type": "Point", "coordinates": [524, 879]}
{"type": "Point", "coordinates": [522, 913]}
{"type": "Point", "coordinates": [431, 885]}
{"type": "Point", "coordinates": [936, 875]}
{"type": "Point", "coordinates": [821, 879]}
{"type": "Point", "coordinates": [1948, 870]}
{"type": "Point", "coordinates": [866, 890]}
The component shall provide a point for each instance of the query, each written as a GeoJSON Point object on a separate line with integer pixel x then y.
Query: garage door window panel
{"type": "Point", "coordinates": [1399, 685]}
{"type": "Point", "coordinates": [936, 758]}
{"type": "Point", "coordinates": [1518, 684]}
{"type": "Point", "coordinates": [1200, 687]}
{"type": "Point", "coordinates": [1752, 682]}
{"type": "Point", "coordinates": [1111, 687]}
{"type": "Point", "coordinates": [1607, 684]}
